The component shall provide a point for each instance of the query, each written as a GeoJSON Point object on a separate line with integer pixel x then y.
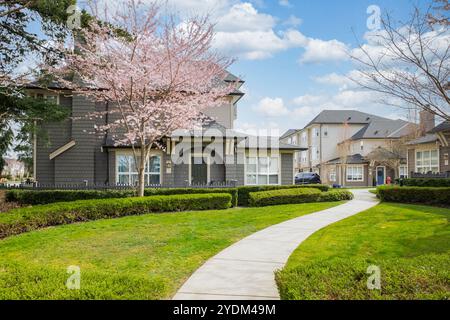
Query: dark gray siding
{"type": "Point", "coordinates": [77, 164]}
{"type": "Point", "coordinates": [236, 171]}
{"type": "Point", "coordinates": [287, 168]}
{"type": "Point", "coordinates": [181, 175]}
{"type": "Point", "coordinates": [217, 173]}
{"type": "Point", "coordinates": [112, 166]}
{"type": "Point", "coordinates": [55, 136]}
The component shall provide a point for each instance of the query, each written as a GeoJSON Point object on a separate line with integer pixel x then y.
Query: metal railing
{"type": "Point", "coordinates": [430, 175]}
{"type": "Point", "coordinates": [82, 186]}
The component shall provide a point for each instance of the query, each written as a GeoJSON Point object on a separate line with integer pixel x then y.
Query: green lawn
{"type": "Point", "coordinates": [410, 244]}
{"type": "Point", "coordinates": [138, 257]}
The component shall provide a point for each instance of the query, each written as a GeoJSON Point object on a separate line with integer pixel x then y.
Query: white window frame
{"type": "Point", "coordinates": [353, 167]}
{"type": "Point", "coordinates": [304, 137]}
{"type": "Point", "coordinates": [405, 167]}
{"type": "Point", "coordinates": [428, 167]}
{"type": "Point", "coordinates": [332, 176]}
{"type": "Point", "coordinates": [258, 173]}
{"type": "Point", "coordinates": [45, 96]}
{"type": "Point", "coordinates": [130, 173]}
{"type": "Point", "coordinates": [314, 153]}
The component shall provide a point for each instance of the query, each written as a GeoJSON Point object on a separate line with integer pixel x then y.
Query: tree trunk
{"type": "Point", "coordinates": [141, 173]}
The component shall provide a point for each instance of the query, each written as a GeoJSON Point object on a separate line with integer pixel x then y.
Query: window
{"type": "Point", "coordinates": [304, 156]}
{"type": "Point", "coordinates": [127, 172]}
{"type": "Point", "coordinates": [262, 171]}
{"type": "Point", "coordinates": [315, 132]}
{"type": "Point", "coordinates": [50, 97]}
{"type": "Point", "coordinates": [332, 175]}
{"type": "Point", "coordinates": [314, 153]}
{"type": "Point", "coordinates": [325, 131]}
{"type": "Point", "coordinates": [427, 161]}
{"type": "Point", "coordinates": [403, 172]}
{"type": "Point", "coordinates": [304, 137]}
{"type": "Point", "coordinates": [362, 145]}
{"type": "Point", "coordinates": [355, 173]}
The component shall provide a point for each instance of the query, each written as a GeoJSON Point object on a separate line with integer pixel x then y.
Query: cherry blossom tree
{"type": "Point", "coordinates": [157, 70]}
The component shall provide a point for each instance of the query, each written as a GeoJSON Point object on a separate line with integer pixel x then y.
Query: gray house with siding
{"type": "Point", "coordinates": [71, 154]}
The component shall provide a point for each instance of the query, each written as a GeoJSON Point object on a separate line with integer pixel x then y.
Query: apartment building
{"type": "Point", "coordinates": [352, 148]}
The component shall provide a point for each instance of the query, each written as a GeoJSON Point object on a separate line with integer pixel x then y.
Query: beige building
{"type": "Point", "coordinates": [352, 148]}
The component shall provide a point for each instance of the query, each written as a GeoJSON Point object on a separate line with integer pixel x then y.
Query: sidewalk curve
{"type": "Point", "coordinates": [245, 270]}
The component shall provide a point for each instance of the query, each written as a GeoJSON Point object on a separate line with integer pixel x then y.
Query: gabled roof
{"type": "Point", "coordinates": [429, 138]}
{"type": "Point", "coordinates": [381, 129]}
{"type": "Point", "coordinates": [288, 133]}
{"type": "Point", "coordinates": [344, 116]}
{"type": "Point", "coordinates": [444, 126]}
{"type": "Point", "coordinates": [353, 159]}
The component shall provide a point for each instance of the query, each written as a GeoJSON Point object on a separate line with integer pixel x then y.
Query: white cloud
{"type": "Point", "coordinates": [285, 3]}
{"type": "Point", "coordinates": [271, 107]}
{"type": "Point", "coordinates": [293, 21]}
{"type": "Point", "coordinates": [308, 100]}
{"type": "Point", "coordinates": [249, 34]}
{"type": "Point", "coordinates": [344, 82]}
{"type": "Point", "coordinates": [244, 16]}
{"type": "Point", "coordinates": [317, 51]}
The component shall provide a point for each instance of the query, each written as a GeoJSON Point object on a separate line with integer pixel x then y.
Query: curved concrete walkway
{"type": "Point", "coordinates": [245, 270]}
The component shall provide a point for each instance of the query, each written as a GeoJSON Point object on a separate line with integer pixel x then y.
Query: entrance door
{"type": "Point", "coordinates": [381, 176]}
{"type": "Point", "coordinates": [199, 174]}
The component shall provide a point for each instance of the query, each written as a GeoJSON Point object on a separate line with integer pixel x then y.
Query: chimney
{"type": "Point", "coordinates": [427, 121]}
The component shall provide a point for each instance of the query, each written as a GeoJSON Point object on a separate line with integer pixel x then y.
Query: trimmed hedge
{"type": "Point", "coordinates": [27, 219]}
{"type": "Point", "coordinates": [289, 196]}
{"type": "Point", "coordinates": [295, 196]}
{"type": "Point", "coordinates": [244, 192]}
{"type": "Point", "coordinates": [421, 195]}
{"type": "Point", "coordinates": [36, 197]}
{"type": "Point", "coordinates": [335, 195]}
{"type": "Point", "coordinates": [436, 183]}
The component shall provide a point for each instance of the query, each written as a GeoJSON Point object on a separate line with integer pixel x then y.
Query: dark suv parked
{"type": "Point", "coordinates": [307, 178]}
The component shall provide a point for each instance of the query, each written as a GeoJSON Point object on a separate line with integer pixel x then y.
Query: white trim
{"type": "Point", "coordinates": [266, 155]}
{"type": "Point", "coordinates": [427, 150]}
{"type": "Point", "coordinates": [127, 152]}
{"type": "Point", "coordinates": [62, 149]}
{"type": "Point", "coordinates": [403, 166]}
{"type": "Point", "coordinates": [354, 166]}
{"type": "Point", "coordinates": [384, 174]}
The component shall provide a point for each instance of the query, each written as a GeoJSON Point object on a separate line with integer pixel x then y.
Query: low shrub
{"type": "Point", "coordinates": [36, 197]}
{"type": "Point", "coordinates": [244, 192]}
{"type": "Point", "coordinates": [335, 195]}
{"type": "Point", "coordinates": [295, 196]}
{"type": "Point", "coordinates": [27, 219]}
{"type": "Point", "coordinates": [420, 195]}
{"type": "Point", "coordinates": [289, 196]}
{"type": "Point", "coordinates": [436, 183]}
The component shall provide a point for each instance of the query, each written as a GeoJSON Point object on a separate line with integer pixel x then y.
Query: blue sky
{"type": "Point", "coordinates": [292, 55]}
{"type": "Point", "coordinates": [284, 92]}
